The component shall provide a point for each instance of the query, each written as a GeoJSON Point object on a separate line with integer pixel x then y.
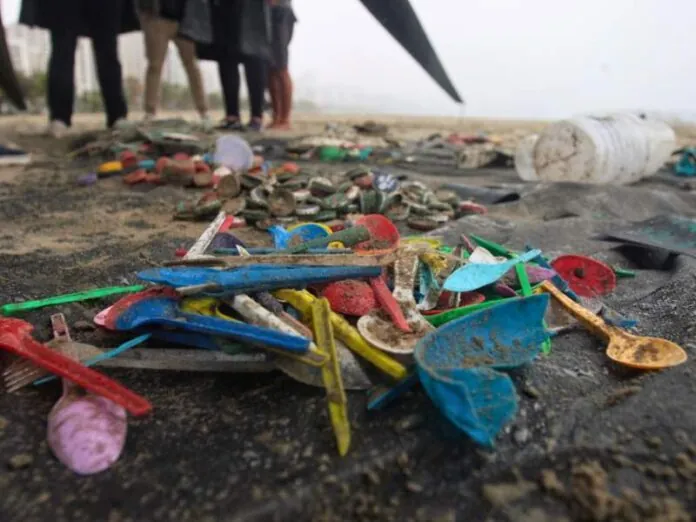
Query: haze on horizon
{"type": "Point", "coordinates": [538, 59]}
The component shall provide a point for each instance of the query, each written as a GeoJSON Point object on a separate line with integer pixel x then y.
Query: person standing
{"type": "Point", "coordinates": [279, 80]}
{"type": "Point", "coordinates": [67, 20]}
{"type": "Point", "coordinates": [241, 35]}
{"type": "Point", "coordinates": [185, 22]}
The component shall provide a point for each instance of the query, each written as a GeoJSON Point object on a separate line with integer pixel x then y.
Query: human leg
{"type": "Point", "coordinates": [187, 51]}
{"type": "Point", "coordinates": [110, 77]}
{"type": "Point", "coordinates": [273, 89]}
{"type": "Point", "coordinates": [283, 20]}
{"type": "Point", "coordinates": [228, 70]}
{"type": "Point", "coordinates": [255, 72]}
{"type": "Point", "coordinates": [286, 88]}
{"type": "Point", "coordinates": [61, 79]}
{"type": "Point", "coordinates": [157, 32]}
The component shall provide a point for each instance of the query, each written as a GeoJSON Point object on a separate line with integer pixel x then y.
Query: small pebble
{"type": "Point", "coordinates": [408, 423]}
{"type": "Point", "coordinates": [522, 435]}
{"type": "Point", "coordinates": [414, 487]}
{"type": "Point", "coordinates": [653, 442]}
{"type": "Point", "coordinates": [531, 392]}
{"type": "Point", "coordinates": [21, 461]}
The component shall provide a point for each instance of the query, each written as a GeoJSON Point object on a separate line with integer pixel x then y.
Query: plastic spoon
{"type": "Point", "coordinates": [85, 432]}
{"type": "Point", "coordinates": [473, 276]}
{"type": "Point", "coordinates": [383, 333]}
{"type": "Point", "coordinates": [164, 311]}
{"type": "Point", "coordinates": [634, 351]}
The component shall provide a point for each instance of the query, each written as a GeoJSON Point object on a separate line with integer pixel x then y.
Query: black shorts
{"type": "Point", "coordinates": [282, 26]}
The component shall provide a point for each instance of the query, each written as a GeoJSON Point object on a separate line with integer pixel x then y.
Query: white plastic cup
{"type": "Point", "coordinates": [233, 152]}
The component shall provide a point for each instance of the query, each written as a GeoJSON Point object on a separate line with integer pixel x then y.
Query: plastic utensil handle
{"type": "Point", "coordinates": [331, 374]}
{"type": "Point", "coordinates": [349, 237]}
{"type": "Point", "coordinates": [203, 242]}
{"type": "Point", "coordinates": [591, 321]}
{"type": "Point", "coordinates": [73, 371]}
{"type": "Point", "coordinates": [97, 293]}
{"type": "Point", "coordinates": [388, 303]}
{"type": "Point", "coordinates": [451, 315]}
{"type": "Point", "coordinates": [526, 257]}
{"type": "Point", "coordinates": [557, 280]}
{"type": "Point", "coordinates": [104, 356]}
{"type": "Point", "coordinates": [243, 332]}
{"type": "Point", "coordinates": [302, 301]}
{"type": "Point", "coordinates": [493, 248]}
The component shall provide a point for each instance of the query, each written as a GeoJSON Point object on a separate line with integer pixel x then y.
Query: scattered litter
{"type": "Point", "coordinates": [86, 432]}
{"type": "Point", "coordinates": [686, 165]}
{"type": "Point", "coordinates": [337, 299]}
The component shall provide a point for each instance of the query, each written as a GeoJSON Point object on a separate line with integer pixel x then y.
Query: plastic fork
{"type": "Point", "coordinates": [15, 337]}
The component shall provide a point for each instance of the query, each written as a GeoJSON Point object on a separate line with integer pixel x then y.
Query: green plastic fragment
{"type": "Point", "coordinates": [623, 272]}
{"type": "Point", "coordinates": [526, 291]}
{"type": "Point", "coordinates": [97, 293]}
{"type": "Point", "coordinates": [493, 248]}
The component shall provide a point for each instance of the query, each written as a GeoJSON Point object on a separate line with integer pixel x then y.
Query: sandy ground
{"type": "Point", "coordinates": [591, 441]}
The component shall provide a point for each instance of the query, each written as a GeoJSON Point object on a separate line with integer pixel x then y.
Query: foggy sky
{"type": "Point", "coordinates": [508, 58]}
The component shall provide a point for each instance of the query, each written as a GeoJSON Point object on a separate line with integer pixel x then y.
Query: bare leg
{"type": "Point", "coordinates": [276, 96]}
{"type": "Point", "coordinates": [287, 90]}
{"type": "Point", "coordinates": [157, 32]}
{"type": "Point", "coordinates": [187, 51]}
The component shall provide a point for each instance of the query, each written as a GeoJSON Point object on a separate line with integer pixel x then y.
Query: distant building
{"type": "Point", "coordinates": [29, 48]}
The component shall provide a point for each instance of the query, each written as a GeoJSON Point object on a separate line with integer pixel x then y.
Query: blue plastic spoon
{"type": "Point", "coordinates": [473, 276]}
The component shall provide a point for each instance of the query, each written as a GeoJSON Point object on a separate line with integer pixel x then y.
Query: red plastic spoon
{"type": "Point", "coordinates": [15, 337]}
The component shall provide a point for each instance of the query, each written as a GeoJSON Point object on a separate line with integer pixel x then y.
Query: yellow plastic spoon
{"type": "Point", "coordinates": [634, 351]}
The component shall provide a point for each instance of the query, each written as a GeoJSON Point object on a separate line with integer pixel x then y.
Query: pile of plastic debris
{"type": "Point", "coordinates": [324, 306]}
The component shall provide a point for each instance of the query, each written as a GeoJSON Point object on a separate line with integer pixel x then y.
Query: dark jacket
{"type": "Point", "coordinates": [84, 17]}
{"type": "Point", "coordinates": [240, 28]}
{"type": "Point", "coordinates": [195, 23]}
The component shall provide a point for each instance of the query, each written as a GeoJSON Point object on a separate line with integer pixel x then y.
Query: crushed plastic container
{"type": "Point", "coordinates": [620, 148]}
{"type": "Point", "coordinates": [233, 152]}
{"type": "Point", "coordinates": [524, 158]}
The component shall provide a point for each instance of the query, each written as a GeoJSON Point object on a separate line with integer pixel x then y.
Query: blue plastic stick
{"type": "Point", "coordinates": [104, 356]}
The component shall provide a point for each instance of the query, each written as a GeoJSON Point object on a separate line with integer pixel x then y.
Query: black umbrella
{"type": "Point", "coordinates": [399, 18]}
{"type": "Point", "coordinates": [8, 78]}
